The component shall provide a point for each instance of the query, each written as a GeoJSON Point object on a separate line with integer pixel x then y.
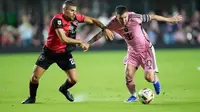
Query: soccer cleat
{"type": "Point", "coordinates": [157, 87]}
{"type": "Point", "coordinates": [67, 94]}
{"type": "Point", "coordinates": [131, 99]}
{"type": "Point", "coordinates": [29, 100]}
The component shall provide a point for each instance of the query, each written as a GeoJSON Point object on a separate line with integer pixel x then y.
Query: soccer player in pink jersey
{"type": "Point", "coordinates": [140, 49]}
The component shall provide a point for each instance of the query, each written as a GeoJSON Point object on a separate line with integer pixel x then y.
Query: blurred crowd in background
{"type": "Point", "coordinates": [29, 26]}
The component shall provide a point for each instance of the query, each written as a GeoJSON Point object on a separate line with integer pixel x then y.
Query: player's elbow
{"type": "Point", "coordinates": [152, 16]}
{"type": "Point", "coordinates": [149, 76]}
{"type": "Point", "coordinates": [62, 40]}
{"type": "Point", "coordinates": [95, 21]}
{"type": "Point", "coordinates": [67, 40]}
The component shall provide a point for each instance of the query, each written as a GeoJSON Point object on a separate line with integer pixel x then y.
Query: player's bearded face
{"type": "Point", "coordinates": [123, 19]}
{"type": "Point", "coordinates": [70, 12]}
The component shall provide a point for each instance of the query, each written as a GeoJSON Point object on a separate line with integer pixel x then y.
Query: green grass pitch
{"type": "Point", "coordinates": [101, 86]}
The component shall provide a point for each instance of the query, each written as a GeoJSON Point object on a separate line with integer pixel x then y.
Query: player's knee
{"type": "Point", "coordinates": [149, 77]}
{"type": "Point", "coordinates": [128, 72]}
{"type": "Point", "coordinates": [34, 79]}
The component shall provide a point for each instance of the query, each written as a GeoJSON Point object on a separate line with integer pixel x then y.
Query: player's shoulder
{"type": "Point", "coordinates": [113, 18]}
{"type": "Point", "coordinates": [57, 21]}
{"type": "Point", "coordinates": [112, 21]}
{"type": "Point", "coordinates": [80, 17]}
{"type": "Point", "coordinates": [78, 14]}
{"type": "Point", "coordinates": [130, 13]}
{"type": "Point", "coordinates": [134, 15]}
{"type": "Point", "coordinates": [58, 16]}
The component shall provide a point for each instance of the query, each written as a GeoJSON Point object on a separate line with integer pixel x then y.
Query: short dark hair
{"type": "Point", "coordinates": [70, 2]}
{"type": "Point", "coordinates": [121, 9]}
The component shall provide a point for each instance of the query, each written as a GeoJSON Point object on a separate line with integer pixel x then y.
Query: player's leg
{"type": "Point", "coordinates": [69, 67]}
{"type": "Point", "coordinates": [130, 82]}
{"type": "Point", "coordinates": [150, 68]}
{"type": "Point", "coordinates": [131, 65]}
{"type": "Point", "coordinates": [33, 84]}
{"type": "Point", "coordinates": [41, 66]}
{"type": "Point", "coordinates": [72, 78]}
{"type": "Point", "coordinates": [70, 82]}
{"type": "Point", "coordinates": [150, 76]}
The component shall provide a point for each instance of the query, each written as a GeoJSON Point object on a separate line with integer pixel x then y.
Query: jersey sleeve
{"type": "Point", "coordinates": [140, 18]}
{"type": "Point", "coordinates": [145, 18]}
{"type": "Point", "coordinates": [80, 18]}
{"type": "Point", "coordinates": [57, 23]}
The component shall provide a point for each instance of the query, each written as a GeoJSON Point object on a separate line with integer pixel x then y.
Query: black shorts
{"type": "Point", "coordinates": [64, 60]}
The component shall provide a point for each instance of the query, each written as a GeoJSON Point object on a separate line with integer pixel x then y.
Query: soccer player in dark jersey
{"type": "Point", "coordinates": [58, 47]}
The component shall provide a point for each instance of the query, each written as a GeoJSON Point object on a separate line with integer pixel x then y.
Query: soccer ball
{"type": "Point", "coordinates": [146, 95]}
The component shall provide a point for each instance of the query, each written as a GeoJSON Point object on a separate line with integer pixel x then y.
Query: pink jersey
{"type": "Point", "coordinates": [133, 33]}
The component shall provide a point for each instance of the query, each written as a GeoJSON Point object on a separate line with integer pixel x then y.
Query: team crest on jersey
{"type": "Point", "coordinates": [75, 22]}
{"type": "Point", "coordinates": [59, 22]}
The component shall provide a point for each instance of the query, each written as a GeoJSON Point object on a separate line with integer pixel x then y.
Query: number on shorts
{"type": "Point", "coordinates": [149, 63]}
{"type": "Point", "coordinates": [72, 61]}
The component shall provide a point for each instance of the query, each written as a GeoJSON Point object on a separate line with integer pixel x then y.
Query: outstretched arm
{"type": "Point", "coordinates": [99, 35]}
{"type": "Point", "coordinates": [91, 41]}
{"type": "Point", "coordinates": [95, 38]}
{"type": "Point", "coordinates": [174, 19]}
{"type": "Point", "coordinates": [107, 32]}
{"type": "Point", "coordinates": [90, 20]}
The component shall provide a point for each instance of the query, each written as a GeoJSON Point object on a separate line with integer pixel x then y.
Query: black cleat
{"type": "Point", "coordinates": [29, 100]}
{"type": "Point", "coordinates": [67, 94]}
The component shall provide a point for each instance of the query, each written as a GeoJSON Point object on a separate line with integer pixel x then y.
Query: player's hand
{"type": "Point", "coordinates": [85, 46]}
{"type": "Point", "coordinates": [108, 34]}
{"type": "Point", "coordinates": [175, 19]}
{"type": "Point", "coordinates": [80, 42]}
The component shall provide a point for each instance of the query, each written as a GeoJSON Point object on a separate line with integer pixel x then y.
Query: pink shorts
{"type": "Point", "coordinates": [146, 59]}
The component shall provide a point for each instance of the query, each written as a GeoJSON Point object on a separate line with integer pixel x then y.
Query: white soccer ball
{"type": "Point", "coordinates": [146, 95]}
